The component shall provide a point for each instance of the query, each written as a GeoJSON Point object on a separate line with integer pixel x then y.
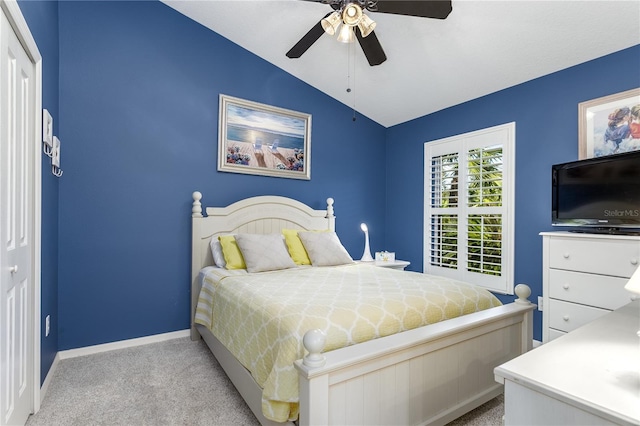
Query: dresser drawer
{"type": "Point", "coordinates": [566, 316]}
{"type": "Point", "coordinates": [554, 334]}
{"type": "Point", "coordinates": [619, 258]}
{"type": "Point", "coordinates": [588, 289]}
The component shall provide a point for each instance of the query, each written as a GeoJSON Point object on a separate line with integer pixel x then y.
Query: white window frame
{"type": "Point", "coordinates": [499, 135]}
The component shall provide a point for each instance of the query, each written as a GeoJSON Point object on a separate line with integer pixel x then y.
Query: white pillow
{"type": "Point", "coordinates": [264, 252]}
{"type": "Point", "coordinates": [216, 251]}
{"type": "Point", "coordinates": [324, 248]}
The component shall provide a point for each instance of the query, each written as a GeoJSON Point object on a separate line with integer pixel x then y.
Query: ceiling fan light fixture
{"type": "Point", "coordinates": [352, 14]}
{"type": "Point", "coordinates": [346, 34]}
{"type": "Point", "coordinates": [366, 25]}
{"type": "Point", "coordinates": [331, 23]}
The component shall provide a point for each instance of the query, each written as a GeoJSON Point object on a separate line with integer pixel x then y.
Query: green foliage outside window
{"type": "Point", "coordinates": [484, 189]}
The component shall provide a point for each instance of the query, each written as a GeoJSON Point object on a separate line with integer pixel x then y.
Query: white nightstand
{"type": "Point", "coordinates": [394, 264]}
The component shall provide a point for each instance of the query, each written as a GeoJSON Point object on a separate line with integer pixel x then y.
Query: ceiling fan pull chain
{"type": "Point", "coordinates": [349, 67]}
{"type": "Point", "coordinates": [350, 51]}
{"type": "Point", "coordinates": [353, 51]}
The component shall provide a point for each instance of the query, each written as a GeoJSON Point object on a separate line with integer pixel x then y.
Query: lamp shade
{"type": "Point", "coordinates": [366, 25]}
{"type": "Point", "coordinates": [633, 285]}
{"type": "Point", "coordinates": [331, 23]}
{"type": "Point", "coordinates": [346, 34]}
{"type": "Point", "coordinates": [352, 14]}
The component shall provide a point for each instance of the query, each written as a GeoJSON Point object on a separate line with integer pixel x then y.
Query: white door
{"type": "Point", "coordinates": [17, 124]}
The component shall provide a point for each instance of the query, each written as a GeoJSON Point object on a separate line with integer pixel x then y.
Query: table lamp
{"type": "Point", "coordinates": [366, 256]}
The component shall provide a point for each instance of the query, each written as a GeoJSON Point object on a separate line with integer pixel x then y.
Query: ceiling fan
{"type": "Point", "coordinates": [349, 21]}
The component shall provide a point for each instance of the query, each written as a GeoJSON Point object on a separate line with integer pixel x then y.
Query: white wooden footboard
{"type": "Point", "coordinates": [430, 375]}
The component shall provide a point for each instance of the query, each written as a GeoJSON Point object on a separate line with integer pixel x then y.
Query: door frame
{"type": "Point", "coordinates": [20, 27]}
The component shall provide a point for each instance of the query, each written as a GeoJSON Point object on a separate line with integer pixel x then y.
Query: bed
{"type": "Point", "coordinates": [429, 374]}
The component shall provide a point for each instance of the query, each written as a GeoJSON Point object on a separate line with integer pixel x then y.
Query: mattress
{"type": "Point", "coordinates": [262, 317]}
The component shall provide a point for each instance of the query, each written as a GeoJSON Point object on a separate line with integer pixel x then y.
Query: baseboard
{"type": "Point", "coordinates": [536, 343]}
{"type": "Point", "coordinates": [47, 380]}
{"type": "Point", "coordinates": [122, 344]}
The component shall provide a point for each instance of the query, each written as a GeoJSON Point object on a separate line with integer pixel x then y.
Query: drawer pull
{"type": "Point", "coordinates": [565, 286]}
{"type": "Point", "coordinates": [634, 261]}
{"type": "Point", "coordinates": [566, 317]}
{"type": "Point", "coordinates": [633, 297]}
{"type": "Point", "coordinates": [565, 255]}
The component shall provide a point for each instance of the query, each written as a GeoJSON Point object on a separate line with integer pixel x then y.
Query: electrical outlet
{"type": "Point", "coordinates": [540, 307]}
{"type": "Point", "coordinates": [47, 325]}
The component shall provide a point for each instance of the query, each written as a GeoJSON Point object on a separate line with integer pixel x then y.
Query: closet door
{"type": "Point", "coordinates": [17, 124]}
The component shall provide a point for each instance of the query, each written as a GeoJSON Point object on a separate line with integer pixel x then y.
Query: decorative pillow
{"type": "Point", "coordinates": [295, 247]}
{"type": "Point", "coordinates": [324, 248]}
{"type": "Point", "coordinates": [216, 251]}
{"type": "Point", "coordinates": [232, 255]}
{"type": "Point", "coordinates": [264, 252]}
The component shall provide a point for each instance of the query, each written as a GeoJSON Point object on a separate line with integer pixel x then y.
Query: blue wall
{"type": "Point", "coordinates": [546, 114]}
{"type": "Point", "coordinates": [42, 18]}
{"type": "Point", "coordinates": [139, 87]}
{"type": "Point", "coordinates": [133, 88]}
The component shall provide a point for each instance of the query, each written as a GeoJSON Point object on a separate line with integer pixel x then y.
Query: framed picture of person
{"type": "Point", "coordinates": [609, 125]}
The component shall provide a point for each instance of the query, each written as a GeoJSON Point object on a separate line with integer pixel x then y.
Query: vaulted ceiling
{"type": "Point", "coordinates": [482, 47]}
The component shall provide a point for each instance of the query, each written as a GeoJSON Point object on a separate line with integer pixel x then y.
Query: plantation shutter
{"type": "Point", "coordinates": [469, 207]}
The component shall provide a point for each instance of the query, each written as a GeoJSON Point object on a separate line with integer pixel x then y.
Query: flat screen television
{"type": "Point", "coordinates": [599, 194]}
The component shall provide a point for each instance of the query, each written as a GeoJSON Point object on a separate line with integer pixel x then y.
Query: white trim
{"type": "Point", "coordinates": [21, 28]}
{"type": "Point", "coordinates": [49, 378]}
{"type": "Point", "coordinates": [19, 24]}
{"type": "Point", "coordinates": [122, 344]}
{"type": "Point", "coordinates": [504, 135]}
{"type": "Point", "coordinates": [536, 343]}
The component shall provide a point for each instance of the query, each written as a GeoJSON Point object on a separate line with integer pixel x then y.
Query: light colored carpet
{"type": "Point", "coordinates": [489, 414]}
{"type": "Point", "coordinates": [177, 382]}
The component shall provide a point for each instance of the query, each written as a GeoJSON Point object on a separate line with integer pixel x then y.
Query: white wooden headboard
{"type": "Point", "coordinates": [256, 215]}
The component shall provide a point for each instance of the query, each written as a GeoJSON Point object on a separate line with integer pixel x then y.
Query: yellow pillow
{"type": "Point", "coordinates": [231, 251]}
{"type": "Point", "coordinates": [295, 247]}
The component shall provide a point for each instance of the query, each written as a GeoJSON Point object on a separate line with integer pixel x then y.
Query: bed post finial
{"type": "Point", "coordinates": [196, 210]}
{"type": "Point", "coordinates": [314, 341]}
{"type": "Point", "coordinates": [523, 292]}
{"type": "Point", "coordinates": [329, 207]}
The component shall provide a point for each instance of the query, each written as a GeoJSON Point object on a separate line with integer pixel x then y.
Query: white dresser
{"type": "Point", "coordinates": [588, 377]}
{"type": "Point", "coordinates": [583, 278]}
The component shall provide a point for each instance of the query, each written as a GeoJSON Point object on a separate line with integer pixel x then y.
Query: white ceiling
{"type": "Point", "coordinates": [482, 47]}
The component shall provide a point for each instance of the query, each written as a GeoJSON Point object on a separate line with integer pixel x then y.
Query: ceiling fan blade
{"type": "Point", "coordinates": [438, 9]}
{"type": "Point", "coordinates": [371, 47]}
{"type": "Point", "coordinates": [307, 40]}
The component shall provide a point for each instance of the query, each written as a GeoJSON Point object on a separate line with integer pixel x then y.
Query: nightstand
{"type": "Point", "coordinates": [393, 264]}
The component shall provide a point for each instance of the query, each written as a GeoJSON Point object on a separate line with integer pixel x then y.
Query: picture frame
{"type": "Point", "coordinates": [265, 140]}
{"type": "Point", "coordinates": [609, 125]}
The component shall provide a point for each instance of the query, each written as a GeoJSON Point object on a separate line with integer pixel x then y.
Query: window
{"type": "Point", "coordinates": [469, 205]}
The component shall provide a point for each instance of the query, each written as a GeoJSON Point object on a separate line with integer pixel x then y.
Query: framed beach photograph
{"type": "Point", "coordinates": [609, 125]}
{"type": "Point", "coordinates": [263, 140]}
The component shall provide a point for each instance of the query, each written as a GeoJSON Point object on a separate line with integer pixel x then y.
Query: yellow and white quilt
{"type": "Point", "coordinates": [262, 317]}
